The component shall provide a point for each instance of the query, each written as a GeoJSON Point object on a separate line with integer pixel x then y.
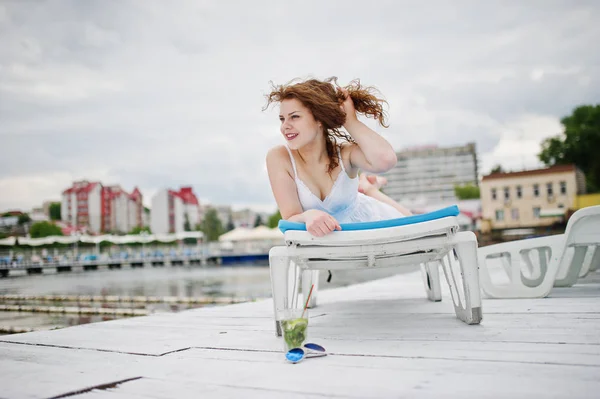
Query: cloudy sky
{"type": "Point", "coordinates": [159, 94]}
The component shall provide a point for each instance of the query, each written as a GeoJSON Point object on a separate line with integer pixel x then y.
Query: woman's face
{"type": "Point", "coordinates": [298, 124]}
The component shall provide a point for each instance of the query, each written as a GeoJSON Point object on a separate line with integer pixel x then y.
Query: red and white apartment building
{"type": "Point", "coordinates": [171, 209]}
{"type": "Point", "coordinates": [101, 209]}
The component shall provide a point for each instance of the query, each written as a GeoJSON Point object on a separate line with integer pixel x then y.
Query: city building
{"type": "Point", "coordinates": [39, 215]}
{"type": "Point", "coordinates": [101, 209]}
{"type": "Point", "coordinates": [428, 174]}
{"type": "Point", "coordinates": [174, 211]}
{"type": "Point", "coordinates": [46, 207]}
{"type": "Point", "coordinates": [530, 198]}
{"type": "Point", "coordinates": [224, 213]}
{"type": "Point", "coordinates": [247, 218]}
{"type": "Point", "coordinates": [81, 205]}
{"type": "Point", "coordinates": [124, 210]}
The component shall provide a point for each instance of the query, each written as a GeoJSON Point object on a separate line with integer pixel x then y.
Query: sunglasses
{"type": "Point", "coordinates": [307, 351]}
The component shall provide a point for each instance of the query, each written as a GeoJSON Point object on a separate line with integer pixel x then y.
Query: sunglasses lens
{"type": "Point", "coordinates": [295, 355]}
{"type": "Point", "coordinates": [314, 347]}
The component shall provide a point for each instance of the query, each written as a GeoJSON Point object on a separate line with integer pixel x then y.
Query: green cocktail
{"type": "Point", "coordinates": [294, 332]}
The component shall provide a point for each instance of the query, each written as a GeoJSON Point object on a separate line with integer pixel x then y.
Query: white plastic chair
{"type": "Point", "coordinates": [561, 259]}
{"type": "Point", "coordinates": [430, 240]}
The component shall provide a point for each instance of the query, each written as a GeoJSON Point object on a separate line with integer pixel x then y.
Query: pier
{"type": "Point", "coordinates": [69, 265]}
{"type": "Point", "coordinates": [384, 338]}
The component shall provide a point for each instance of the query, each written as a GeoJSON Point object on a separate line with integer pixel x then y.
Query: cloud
{"type": "Point", "coordinates": [155, 94]}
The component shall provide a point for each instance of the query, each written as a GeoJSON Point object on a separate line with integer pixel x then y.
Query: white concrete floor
{"type": "Point", "coordinates": [383, 337]}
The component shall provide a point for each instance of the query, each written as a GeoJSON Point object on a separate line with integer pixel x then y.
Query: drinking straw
{"type": "Point", "coordinates": [307, 299]}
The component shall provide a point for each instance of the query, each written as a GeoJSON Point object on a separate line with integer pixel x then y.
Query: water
{"type": "Point", "coordinates": [240, 281]}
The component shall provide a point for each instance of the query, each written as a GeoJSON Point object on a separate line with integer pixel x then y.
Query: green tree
{"type": "Point", "coordinates": [44, 229]}
{"type": "Point", "coordinates": [54, 211]}
{"type": "Point", "coordinates": [186, 224]}
{"type": "Point", "coordinates": [497, 169]}
{"type": "Point", "coordinates": [274, 219]}
{"type": "Point", "coordinates": [24, 218]}
{"type": "Point", "coordinates": [230, 225]}
{"type": "Point", "coordinates": [258, 221]}
{"type": "Point", "coordinates": [138, 230]}
{"type": "Point", "coordinates": [578, 144]}
{"type": "Point", "coordinates": [466, 191]}
{"type": "Point", "coordinates": [211, 226]}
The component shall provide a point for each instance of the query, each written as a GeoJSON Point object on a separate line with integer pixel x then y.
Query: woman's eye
{"type": "Point", "coordinates": [295, 116]}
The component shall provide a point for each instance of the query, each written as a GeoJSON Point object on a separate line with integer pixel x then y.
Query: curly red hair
{"type": "Point", "coordinates": [323, 100]}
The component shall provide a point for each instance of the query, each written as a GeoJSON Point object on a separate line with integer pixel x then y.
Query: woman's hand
{"type": "Point", "coordinates": [348, 108]}
{"type": "Point", "coordinates": [319, 223]}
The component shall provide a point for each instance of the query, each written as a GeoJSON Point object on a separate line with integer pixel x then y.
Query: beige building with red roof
{"type": "Point", "coordinates": [530, 198]}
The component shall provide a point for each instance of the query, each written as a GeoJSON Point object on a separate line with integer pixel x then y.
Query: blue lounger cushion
{"type": "Point", "coordinates": [285, 225]}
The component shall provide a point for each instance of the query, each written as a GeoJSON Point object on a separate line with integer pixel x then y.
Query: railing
{"type": "Point", "coordinates": [70, 256]}
{"type": "Point", "coordinates": [204, 254]}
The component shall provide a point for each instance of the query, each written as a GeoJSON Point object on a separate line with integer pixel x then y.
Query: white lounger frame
{"type": "Point", "coordinates": [431, 244]}
{"type": "Point", "coordinates": [561, 259]}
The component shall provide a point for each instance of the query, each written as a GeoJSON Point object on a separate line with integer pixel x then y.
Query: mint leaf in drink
{"type": "Point", "coordinates": [294, 332]}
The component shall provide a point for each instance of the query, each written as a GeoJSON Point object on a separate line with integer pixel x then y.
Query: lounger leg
{"type": "Point", "coordinates": [595, 263]}
{"type": "Point", "coordinates": [591, 256]}
{"type": "Point", "coordinates": [431, 279]}
{"type": "Point", "coordinates": [574, 268]}
{"type": "Point", "coordinates": [466, 251]}
{"type": "Point", "coordinates": [310, 277]}
{"type": "Point", "coordinates": [285, 277]}
{"type": "Point", "coordinates": [537, 273]}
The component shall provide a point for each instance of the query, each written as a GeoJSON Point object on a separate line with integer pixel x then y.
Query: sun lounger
{"type": "Point", "coordinates": [531, 267]}
{"type": "Point", "coordinates": [431, 240]}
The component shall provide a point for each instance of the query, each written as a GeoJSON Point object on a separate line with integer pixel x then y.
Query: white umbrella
{"type": "Point", "coordinates": [237, 234]}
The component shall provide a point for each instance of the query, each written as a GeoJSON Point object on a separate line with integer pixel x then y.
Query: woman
{"type": "Point", "coordinates": [313, 177]}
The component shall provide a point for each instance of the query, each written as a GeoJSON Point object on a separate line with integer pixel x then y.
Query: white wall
{"type": "Point", "coordinates": [94, 208]}
{"type": "Point", "coordinates": [193, 212]}
{"type": "Point", "coordinates": [120, 213]}
{"type": "Point", "coordinates": [73, 208]}
{"type": "Point", "coordinates": [179, 208]}
{"type": "Point", "coordinates": [159, 213]}
{"type": "Point", "coordinates": [64, 207]}
{"type": "Point", "coordinates": [132, 217]}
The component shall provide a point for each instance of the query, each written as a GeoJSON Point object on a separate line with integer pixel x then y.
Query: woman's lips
{"type": "Point", "coordinates": [291, 136]}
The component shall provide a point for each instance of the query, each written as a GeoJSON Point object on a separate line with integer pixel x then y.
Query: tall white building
{"type": "Point", "coordinates": [427, 175]}
{"type": "Point", "coordinates": [172, 210]}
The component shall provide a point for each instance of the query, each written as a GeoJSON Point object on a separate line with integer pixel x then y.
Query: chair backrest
{"type": "Point", "coordinates": [583, 227]}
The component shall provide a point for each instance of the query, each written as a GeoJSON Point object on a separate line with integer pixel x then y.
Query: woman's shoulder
{"type": "Point", "coordinates": [277, 153]}
{"type": "Point", "coordinates": [278, 156]}
{"type": "Point", "coordinates": [279, 162]}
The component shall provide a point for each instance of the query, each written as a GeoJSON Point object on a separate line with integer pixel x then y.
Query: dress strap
{"type": "Point", "coordinates": [340, 158]}
{"type": "Point", "coordinates": [293, 162]}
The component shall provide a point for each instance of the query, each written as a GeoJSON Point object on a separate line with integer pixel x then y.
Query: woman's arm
{"type": "Point", "coordinates": [279, 168]}
{"type": "Point", "coordinates": [283, 185]}
{"type": "Point", "coordinates": [371, 153]}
